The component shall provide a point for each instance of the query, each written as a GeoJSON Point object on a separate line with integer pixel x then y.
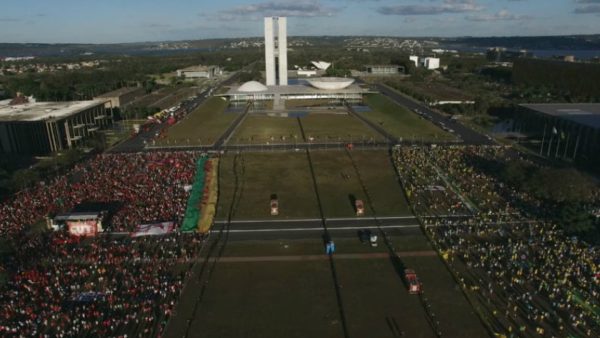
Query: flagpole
{"type": "Point", "coordinates": [567, 146]}
{"type": "Point", "coordinates": [576, 145]}
{"type": "Point", "coordinates": [543, 139]}
{"type": "Point", "coordinates": [557, 144]}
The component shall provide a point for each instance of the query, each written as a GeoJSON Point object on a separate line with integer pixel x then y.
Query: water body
{"type": "Point", "coordinates": [580, 54]}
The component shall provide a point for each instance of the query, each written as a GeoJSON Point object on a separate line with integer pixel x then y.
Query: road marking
{"type": "Point", "coordinates": [409, 226]}
{"type": "Point", "coordinates": [300, 258]}
{"type": "Point", "coordinates": [271, 221]}
{"type": "Point", "coordinates": [313, 220]}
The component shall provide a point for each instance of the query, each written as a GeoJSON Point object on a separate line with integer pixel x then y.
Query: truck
{"type": "Point", "coordinates": [360, 207]}
{"type": "Point", "coordinates": [412, 281]}
{"type": "Point", "coordinates": [274, 207]}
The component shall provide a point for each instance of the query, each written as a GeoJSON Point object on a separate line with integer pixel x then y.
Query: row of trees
{"type": "Point", "coordinates": [14, 180]}
{"type": "Point", "coordinates": [567, 194]}
{"type": "Point", "coordinates": [576, 81]}
{"type": "Point", "coordinates": [115, 73]}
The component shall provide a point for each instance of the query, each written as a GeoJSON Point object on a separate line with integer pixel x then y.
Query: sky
{"type": "Point", "coordinates": [116, 21]}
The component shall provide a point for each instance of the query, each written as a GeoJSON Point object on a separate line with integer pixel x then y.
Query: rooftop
{"type": "Point", "coordinates": [39, 111]}
{"type": "Point", "coordinates": [300, 90]}
{"type": "Point", "coordinates": [199, 68]}
{"type": "Point", "coordinates": [119, 92]}
{"type": "Point", "coordinates": [587, 114]}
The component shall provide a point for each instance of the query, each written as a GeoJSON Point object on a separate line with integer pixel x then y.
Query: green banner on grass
{"type": "Point", "coordinates": [192, 212]}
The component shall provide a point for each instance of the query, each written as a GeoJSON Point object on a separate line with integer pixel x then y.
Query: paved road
{"type": "Point", "coordinates": [468, 135]}
{"type": "Point", "coordinates": [138, 142]}
{"type": "Point", "coordinates": [304, 258]}
{"type": "Point", "coordinates": [313, 227]}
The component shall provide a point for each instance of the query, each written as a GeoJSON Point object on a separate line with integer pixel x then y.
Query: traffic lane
{"type": "Point", "coordinates": [317, 223]}
{"type": "Point", "coordinates": [314, 233]}
{"type": "Point", "coordinates": [468, 135]}
{"type": "Point", "coordinates": [139, 141]}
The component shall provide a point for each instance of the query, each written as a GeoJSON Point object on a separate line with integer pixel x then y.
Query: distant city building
{"type": "Point", "coordinates": [569, 58]}
{"type": "Point", "coordinates": [444, 51]}
{"type": "Point", "coordinates": [500, 54]}
{"type": "Point", "coordinates": [276, 51]}
{"type": "Point", "coordinates": [414, 59]}
{"type": "Point", "coordinates": [121, 97]}
{"type": "Point", "coordinates": [37, 128]}
{"type": "Point", "coordinates": [384, 69]}
{"type": "Point", "coordinates": [199, 72]}
{"type": "Point", "coordinates": [431, 63]}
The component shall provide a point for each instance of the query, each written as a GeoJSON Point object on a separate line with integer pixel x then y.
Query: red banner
{"type": "Point", "coordinates": [83, 228]}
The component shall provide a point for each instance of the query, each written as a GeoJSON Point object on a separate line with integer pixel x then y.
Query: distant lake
{"type": "Point", "coordinates": [581, 54]}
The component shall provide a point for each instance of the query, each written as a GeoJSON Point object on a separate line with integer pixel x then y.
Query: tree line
{"type": "Point", "coordinates": [577, 81]}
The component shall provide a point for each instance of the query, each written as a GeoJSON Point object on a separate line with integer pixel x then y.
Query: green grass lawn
{"type": "Point", "coordinates": [379, 176]}
{"type": "Point", "coordinates": [344, 245]}
{"type": "Point", "coordinates": [285, 174]}
{"type": "Point", "coordinates": [298, 299]}
{"type": "Point", "coordinates": [339, 184]}
{"type": "Point", "coordinates": [202, 126]}
{"type": "Point", "coordinates": [288, 176]}
{"type": "Point", "coordinates": [401, 122]}
{"type": "Point", "coordinates": [272, 299]}
{"type": "Point", "coordinates": [456, 316]}
{"type": "Point", "coordinates": [325, 127]}
{"type": "Point", "coordinates": [261, 129]}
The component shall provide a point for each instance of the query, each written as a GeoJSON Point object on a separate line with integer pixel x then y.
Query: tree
{"type": "Point", "coordinates": [575, 219]}
{"type": "Point", "coordinates": [24, 177]}
{"type": "Point", "coordinates": [561, 186]}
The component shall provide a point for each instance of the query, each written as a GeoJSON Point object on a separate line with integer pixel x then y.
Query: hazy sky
{"type": "Point", "coordinates": [105, 21]}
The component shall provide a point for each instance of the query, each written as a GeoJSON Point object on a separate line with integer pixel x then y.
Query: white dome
{"type": "Point", "coordinates": [252, 86]}
{"type": "Point", "coordinates": [330, 83]}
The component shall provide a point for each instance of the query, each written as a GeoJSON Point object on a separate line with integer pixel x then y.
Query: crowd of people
{"type": "Point", "coordinates": [138, 188]}
{"type": "Point", "coordinates": [63, 286]}
{"type": "Point", "coordinates": [60, 285]}
{"type": "Point", "coordinates": [529, 278]}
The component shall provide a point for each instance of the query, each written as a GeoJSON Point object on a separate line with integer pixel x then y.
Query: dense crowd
{"type": "Point", "coordinates": [58, 285]}
{"type": "Point", "coordinates": [61, 286]}
{"type": "Point", "coordinates": [138, 188]}
{"type": "Point", "coordinates": [529, 278]}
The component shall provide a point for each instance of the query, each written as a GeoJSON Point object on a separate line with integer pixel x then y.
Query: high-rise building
{"type": "Point", "coordinates": [276, 51]}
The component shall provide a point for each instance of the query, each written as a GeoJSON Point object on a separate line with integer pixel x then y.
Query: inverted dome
{"type": "Point", "coordinates": [252, 86]}
{"type": "Point", "coordinates": [330, 83]}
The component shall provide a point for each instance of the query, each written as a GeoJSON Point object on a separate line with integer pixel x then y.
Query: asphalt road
{"type": "Point", "coordinates": [313, 228]}
{"type": "Point", "coordinates": [468, 135]}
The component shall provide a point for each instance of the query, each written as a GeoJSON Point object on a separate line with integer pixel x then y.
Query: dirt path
{"type": "Point", "coordinates": [299, 258]}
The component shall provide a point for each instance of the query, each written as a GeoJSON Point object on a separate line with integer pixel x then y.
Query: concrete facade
{"type": "Point", "coordinates": [431, 63]}
{"type": "Point", "coordinates": [569, 131]}
{"type": "Point", "coordinates": [43, 127]}
{"type": "Point", "coordinates": [199, 72]}
{"type": "Point", "coordinates": [282, 51]}
{"type": "Point", "coordinates": [122, 96]}
{"type": "Point", "coordinates": [276, 56]}
{"type": "Point", "coordinates": [269, 52]}
{"type": "Point", "coordinates": [384, 69]}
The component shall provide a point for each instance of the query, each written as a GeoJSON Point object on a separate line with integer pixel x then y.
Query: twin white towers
{"type": "Point", "coordinates": [276, 54]}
